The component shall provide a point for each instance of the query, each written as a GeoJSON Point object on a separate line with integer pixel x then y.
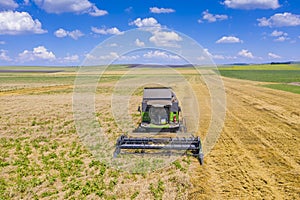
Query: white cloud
{"type": "Point", "coordinates": [165, 38]}
{"type": "Point", "coordinates": [26, 2]}
{"type": "Point", "coordinates": [280, 19]}
{"type": "Point", "coordinates": [104, 31]}
{"type": "Point", "coordinates": [281, 39]}
{"type": "Point", "coordinates": [76, 6]}
{"type": "Point", "coordinates": [73, 34]}
{"type": "Point", "coordinates": [159, 37]}
{"type": "Point", "coordinates": [8, 4]}
{"type": "Point", "coordinates": [245, 53]}
{"type": "Point", "coordinates": [110, 56]}
{"type": "Point", "coordinates": [222, 57]}
{"type": "Point", "coordinates": [281, 36]}
{"type": "Point", "coordinates": [229, 39]}
{"type": "Point", "coordinates": [206, 52]}
{"type": "Point", "coordinates": [273, 55]}
{"type": "Point", "coordinates": [71, 58]}
{"type": "Point", "coordinates": [219, 57]}
{"type": "Point", "coordinates": [161, 10]}
{"type": "Point", "coordinates": [139, 43]}
{"type": "Point", "coordinates": [278, 33]}
{"type": "Point", "coordinates": [59, 6]}
{"type": "Point", "coordinates": [146, 22]}
{"type": "Point", "coordinates": [90, 57]}
{"type": "Point", "coordinates": [129, 9]}
{"type": "Point", "coordinates": [4, 56]}
{"type": "Point", "coordinates": [2, 42]}
{"type": "Point", "coordinates": [212, 18]}
{"type": "Point", "coordinates": [252, 4]}
{"type": "Point", "coordinates": [14, 23]}
{"type": "Point", "coordinates": [160, 55]}
{"type": "Point", "coordinates": [129, 58]}
{"type": "Point", "coordinates": [112, 45]}
{"type": "Point", "coordinates": [61, 33]}
{"type": "Point", "coordinates": [39, 52]}
{"type": "Point", "coordinates": [207, 56]}
{"type": "Point", "coordinates": [95, 12]}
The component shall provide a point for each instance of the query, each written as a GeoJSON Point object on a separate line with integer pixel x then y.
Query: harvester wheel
{"type": "Point", "coordinates": [117, 152]}
{"type": "Point", "coordinates": [140, 129]}
{"type": "Point", "coordinates": [201, 158]}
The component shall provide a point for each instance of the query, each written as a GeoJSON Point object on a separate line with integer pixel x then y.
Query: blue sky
{"type": "Point", "coordinates": [63, 32]}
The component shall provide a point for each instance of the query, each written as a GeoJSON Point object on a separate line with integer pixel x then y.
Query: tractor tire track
{"type": "Point", "coordinates": [257, 154]}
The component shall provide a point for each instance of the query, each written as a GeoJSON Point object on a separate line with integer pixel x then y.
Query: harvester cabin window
{"type": "Point", "coordinates": [159, 115]}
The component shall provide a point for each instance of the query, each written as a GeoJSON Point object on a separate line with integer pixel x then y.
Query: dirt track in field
{"type": "Point", "coordinates": [256, 157]}
{"type": "Point", "coordinates": [258, 154]}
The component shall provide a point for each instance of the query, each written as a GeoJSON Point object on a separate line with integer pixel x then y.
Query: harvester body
{"type": "Point", "coordinates": [160, 113]}
{"type": "Point", "coordinates": [160, 110]}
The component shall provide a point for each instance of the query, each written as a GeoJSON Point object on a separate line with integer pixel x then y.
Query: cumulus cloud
{"type": "Point", "coordinates": [252, 4]}
{"type": "Point", "coordinates": [129, 9]}
{"type": "Point", "coordinates": [281, 39]}
{"type": "Point", "coordinates": [61, 33]}
{"type": "Point", "coordinates": [4, 56]}
{"type": "Point", "coordinates": [38, 53]}
{"type": "Point", "coordinates": [115, 55]}
{"type": "Point", "coordinates": [146, 22]}
{"type": "Point", "coordinates": [73, 34]}
{"type": "Point", "coordinates": [165, 38]}
{"type": "Point", "coordinates": [95, 12]}
{"type": "Point", "coordinates": [246, 53]}
{"type": "Point", "coordinates": [280, 20]}
{"type": "Point", "coordinates": [161, 10]}
{"type": "Point", "coordinates": [229, 39]}
{"type": "Point", "coordinates": [281, 36]}
{"type": "Point", "coordinates": [8, 4]}
{"type": "Point", "coordinates": [211, 17]}
{"type": "Point", "coordinates": [139, 43]}
{"type": "Point", "coordinates": [75, 6]}
{"type": "Point", "coordinates": [206, 52]}
{"type": "Point", "coordinates": [207, 55]}
{"type": "Point", "coordinates": [129, 58]}
{"type": "Point", "coordinates": [112, 45]}
{"type": "Point", "coordinates": [276, 33]}
{"type": "Point", "coordinates": [160, 55]}
{"type": "Point", "coordinates": [14, 23]}
{"type": "Point", "coordinates": [26, 2]}
{"type": "Point", "coordinates": [159, 36]}
{"type": "Point", "coordinates": [109, 31]}
{"type": "Point", "coordinates": [111, 56]}
{"type": "Point", "coordinates": [70, 59]}
{"type": "Point", "coordinates": [273, 55]}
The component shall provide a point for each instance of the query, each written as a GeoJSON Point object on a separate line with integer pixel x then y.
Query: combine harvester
{"type": "Point", "coordinates": [160, 115]}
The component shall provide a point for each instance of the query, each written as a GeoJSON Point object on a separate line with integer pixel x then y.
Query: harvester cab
{"type": "Point", "coordinates": [160, 113]}
{"type": "Point", "coordinates": [160, 110]}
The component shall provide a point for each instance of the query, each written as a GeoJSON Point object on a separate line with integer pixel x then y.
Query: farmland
{"type": "Point", "coordinates": [257, 154]}
{"type": "Point", "coordinates": [282, 75]}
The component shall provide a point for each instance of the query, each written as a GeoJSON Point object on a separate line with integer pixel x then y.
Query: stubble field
{"type": "Point", "coordinates": [41, 156]}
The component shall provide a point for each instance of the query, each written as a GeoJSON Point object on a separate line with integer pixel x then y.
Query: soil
{"type": "Point", "coordinates": [295, 83]}
{"type": "Point", "coordinates": [256, 157]}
